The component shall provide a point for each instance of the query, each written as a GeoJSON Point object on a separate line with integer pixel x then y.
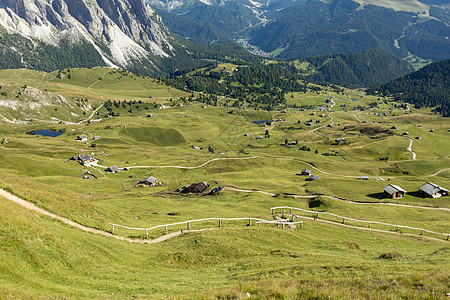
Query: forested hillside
{"type": "Point", "coordinates": [260, 86]}
{"type": "Point", "coordinates": [19, 52]}
{"type": "Point", "coordinates": [194, 30]}
{"type": "Point", "coordinates": [231, 18]}
{"type": "Point", "coordinates": [355, 70]}
{"type": "Point", "coordinates": [428, 87]}
{"type": "Point", "coordinates": [344, 26]}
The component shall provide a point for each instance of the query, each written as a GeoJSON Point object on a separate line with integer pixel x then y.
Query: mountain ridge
{"type": "Point", "coordinates": [319, 28]}
{"type": "Point", "coordinates": [121, 31]}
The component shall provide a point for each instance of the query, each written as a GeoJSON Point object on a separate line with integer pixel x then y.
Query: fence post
{"type": "Point", "coordinates": [290, 210]}
{"type": "Point", "coordinates": [397, 228]}
{"type": "Point", "coordinates": [273, 211]}
{"type": "Point", "coordinates": [146, 233]}
{"type": "Point", "coordinates": [188, 225]}
{"type": "Point", "coordinates": [421, 232]}
{"type": "Point", "coordinates": [370, 224]}
{"type": "Point", "coordinates": [317, 215]}
{"type": "Point", "coordinates": [167, 230]}
{"type": "Point", "coordinates": [343, 220]}
{"type": "Point", "coordinates": [249, 222]}
{"type": "Point", "coordinates": [220, 222]}
{"type": "Point", "coordinates": [301, 225]}
{"type": "Point", "coordinates": [283, 225]}
{"type": "Point", "coordinates": [112, 231]}
{"type": "Point", "coordinates": [448, 236]}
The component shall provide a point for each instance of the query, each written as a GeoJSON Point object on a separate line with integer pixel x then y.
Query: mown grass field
{"type": "Point", "coordinates": [43, 258]}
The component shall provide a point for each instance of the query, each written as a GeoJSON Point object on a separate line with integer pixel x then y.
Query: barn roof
{"type": "Point", "coordinates": [392, 188]}
{"type": "Point", "coordinates": [150, 179]}
{"type": "Point", "coordinates": [431, 188]}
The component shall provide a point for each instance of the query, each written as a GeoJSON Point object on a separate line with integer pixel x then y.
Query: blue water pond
{"type": "Point", "coordinates": [46, 132]}
{"type": "Point", "coordinates": [261, 122]}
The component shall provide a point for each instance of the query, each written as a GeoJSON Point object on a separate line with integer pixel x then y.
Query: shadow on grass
{"type": "Point", "coordinates": [416, 194]}
{"type": "Point", "coordinates": [379, 196]}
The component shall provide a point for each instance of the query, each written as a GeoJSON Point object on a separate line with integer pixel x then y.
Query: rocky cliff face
{"type": "Point", "coordinates": [122, 31]}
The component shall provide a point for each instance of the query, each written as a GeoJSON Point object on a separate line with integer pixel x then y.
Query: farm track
{"type": "Point", "coordinates": [335, 198]}
{"type": "Point", "coordinates": [332, 120]}
{"type": "Point", "coordinates": [90, 117]}
{"type": "Point", "coordinates": [168, 236]}
{"type": "Point", "coordinates": [32, 207]}
{"type": "Point", "coordinates": [439, 172]}
{"type": "Point", "coordinates": [300, 196]}
{"type": "Point", "coordinates": [95, 82]}
{"type": "Point", "coordinates": [411, 141]}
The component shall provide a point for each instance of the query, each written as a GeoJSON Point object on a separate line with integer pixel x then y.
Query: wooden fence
{"type": "Point", "coordinates": [283, 223]}
{"type": "Point", "coordinates": [369, 223]}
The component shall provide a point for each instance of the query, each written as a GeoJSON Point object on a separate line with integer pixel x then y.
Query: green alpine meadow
{"type": "Point", "coordinates": [226, 149]}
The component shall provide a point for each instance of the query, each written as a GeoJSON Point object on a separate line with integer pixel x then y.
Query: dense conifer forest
{"type": "Point", "coordinates": [428, 87]}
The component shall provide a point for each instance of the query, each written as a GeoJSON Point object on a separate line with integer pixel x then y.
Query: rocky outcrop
{"type": "Point", "coordinates": [122, 31]}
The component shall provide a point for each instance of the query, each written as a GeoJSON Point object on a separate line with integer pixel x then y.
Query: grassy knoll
{"type": "Point", "coordinates": [146, 135]}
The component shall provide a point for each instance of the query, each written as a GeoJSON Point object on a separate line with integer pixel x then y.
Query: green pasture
{"type": "Point", "coordinates": [44, 258]}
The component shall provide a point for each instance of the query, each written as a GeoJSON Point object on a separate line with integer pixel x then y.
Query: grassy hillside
{"type": "Point", "coordinates": [151, 134]}
{"type": "Point", "coordinates": [42, 258]}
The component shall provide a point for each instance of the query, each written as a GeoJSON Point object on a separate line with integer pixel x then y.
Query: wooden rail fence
{"type": "Point", "coordinates": [316, 216]}
{"type": "Point", "coordinates": [188, 223]}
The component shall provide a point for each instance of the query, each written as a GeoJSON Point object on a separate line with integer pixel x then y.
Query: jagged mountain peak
{"type": "Point", "coordinates": [122, 31]}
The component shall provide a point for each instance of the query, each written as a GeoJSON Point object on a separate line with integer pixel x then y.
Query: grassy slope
{"type": "Point", "coordinates": [43, 258]}
{"type": "Point", "coordinates": [237, 258]}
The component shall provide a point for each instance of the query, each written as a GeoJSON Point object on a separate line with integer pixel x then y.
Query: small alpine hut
{"type": "Point", "coordinates": [306, 172]}
{"type": "Point", "coordinates": [433, 190]}
{"type": "Point", "coordinates": [113, 169]}
{"type": "Point", "coordinates": [200, 187]}
{"type": "Point", "coordinates": [148, 181]}
{"type": "Point", "coordinates": [82, 138]}
{"type": "Point", "coordinates": [394, 191]}
{"type": "Point", "coordinates": [312, 178]}
{"type": "Point", "coordinates": [339, 141]}
{"type": "Point", "coordinates": [84, 159]}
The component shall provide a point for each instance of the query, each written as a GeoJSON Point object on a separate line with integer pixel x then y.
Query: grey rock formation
{"type": "Point", "coordinates": [122, 31]}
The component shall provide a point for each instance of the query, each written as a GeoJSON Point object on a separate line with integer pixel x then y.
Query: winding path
{"type": "Point", "coordinates": [98, 80]}
{"type": "Point", "coordinates": [262, 157]}
{"type": "Point", "coordinates": [332, 120]}
{"type": "Point", "coordinates": [410, 148]}
{"type": "Point", "coordinates": [336, 198]}
{"type": "Point", "coordinates": [439, 172]}
{"type": "Point", "coordinates": [32, 207]}
{"type": "Point", "coordinates": [195, 167]}
{"type": "Point", "coordinates": [90, 117]}
{"type": "Point", "coordinates": [165, 237]}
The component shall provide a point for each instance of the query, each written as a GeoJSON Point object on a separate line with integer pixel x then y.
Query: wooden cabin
{"type": "Point", "coordinates": [432, 190]}
{"type": "Point", "coordinates": [394, 191]}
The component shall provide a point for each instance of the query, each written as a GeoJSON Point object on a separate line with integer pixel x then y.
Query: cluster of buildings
{"type": "Point", "coordinates": [311, 177]}
{"type": "Point", "coordinates": [429, 189]}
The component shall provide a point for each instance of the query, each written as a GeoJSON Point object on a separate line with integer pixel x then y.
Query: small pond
{"type": "Point", "coordinates": [261, 122]}
{"type": "Point", "coordinates": [46, 132]}
{"type": "Point", "coordinates": [353, 99]}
